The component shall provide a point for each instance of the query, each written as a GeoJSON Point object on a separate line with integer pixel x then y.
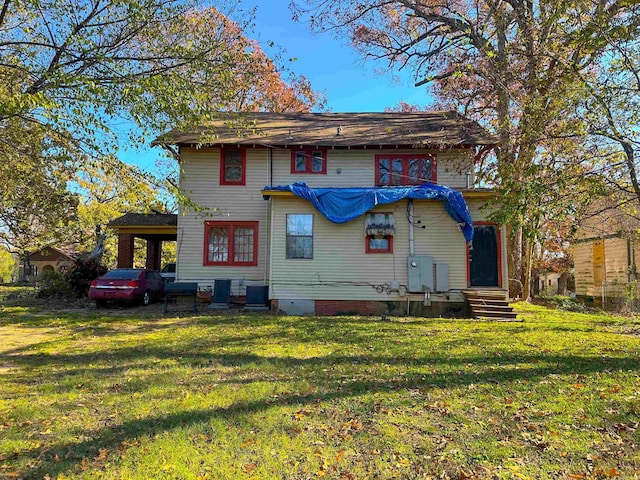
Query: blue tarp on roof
{"type": "Point", "coordinates": [340, 205]}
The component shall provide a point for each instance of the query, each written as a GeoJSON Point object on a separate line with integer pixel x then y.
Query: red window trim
{"type": "Point", "coordinates": [499, 253]}
{"type": "Point", "coordinates": [368, 249]}
{"type": "Point", "coordinates": [232, 225]}
{"type": "Point", "coordinates": [309, 162]}
{"type": "Point", "coordinates": [405, 167]}
{"type": "Point", "coordinates": [243, 156]}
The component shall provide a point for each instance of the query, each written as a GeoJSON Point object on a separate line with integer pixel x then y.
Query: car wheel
{"type": "Point", "coordinates": [101, 303]}
{"type": "Point", "coordinates": [145, 299]}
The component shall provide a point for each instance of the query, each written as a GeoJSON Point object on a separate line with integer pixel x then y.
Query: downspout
{"type": "Point", "coordinates": [412, 242]}
{"type": "Point", "coordinates": [267, 215]}
{"type": "Point", "coordinates": [412, 245]}
{"type": "Point", "coordinates": [270, 166]}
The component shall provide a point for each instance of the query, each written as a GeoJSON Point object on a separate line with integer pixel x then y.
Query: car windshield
{"type": "Point", "coordinates": [122, 274]}
{"type": "Point", "coordinates": [169, 268]}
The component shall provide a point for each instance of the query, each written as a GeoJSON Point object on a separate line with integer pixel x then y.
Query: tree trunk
{"type": "Point", "coordinates": [526, 281]}
{"type": "Point", "coordinates": [535, 284]}
{"type": "Point", "coordinates": [514, 262]}
{"type": "Point", "coordinates": [26, 266]}
{"type": "Point", "coordinates": [562, 283]}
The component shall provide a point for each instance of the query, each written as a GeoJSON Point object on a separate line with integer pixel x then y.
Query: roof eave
{"type": "Point", "coordinates": [466, 192]}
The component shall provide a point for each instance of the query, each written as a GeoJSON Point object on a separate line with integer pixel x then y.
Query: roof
{"type": "Point", "coordinates": [150, 226]}
{"type": "Point", "coordinates": [145, 219]}
{"type": "Point", "coordinates": [434, 129]}
{"type": "Point", "coordinates": [66, 252]}
{"type": "Point", "coordinates": [611, 215]}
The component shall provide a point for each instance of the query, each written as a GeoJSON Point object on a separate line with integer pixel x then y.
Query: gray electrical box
{"type": "Point", "coordinates": [442, 277]}
{"type": "Point", "coordinates": [420, 270]}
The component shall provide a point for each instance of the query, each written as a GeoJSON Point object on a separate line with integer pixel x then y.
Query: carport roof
{"type": "Point", "coordinates": [159, 226]}
{"type": "Point", "coordinates": [144, 219]}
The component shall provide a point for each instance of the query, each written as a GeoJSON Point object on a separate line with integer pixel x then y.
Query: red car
{"type": "Point", "coordinates": [133, 285]}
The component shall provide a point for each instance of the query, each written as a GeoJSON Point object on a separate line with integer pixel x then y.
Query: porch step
{"type": "Point", "coordinates": [495, 313]}
{"type": "Point", "coordinates": [486, 294]}
{"type": "Point", "coordinates": [498, 319]}
{"type": "Point", "coordinates": [490, 305]}
{"type": "Point", "coordinates": [495, 305]}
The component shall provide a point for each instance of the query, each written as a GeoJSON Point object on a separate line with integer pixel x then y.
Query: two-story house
{"type": "Point", "coordinates": [340, 212]}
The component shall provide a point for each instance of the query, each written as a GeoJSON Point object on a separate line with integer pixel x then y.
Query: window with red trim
{"type": "Point", "coordinates": [233, 163]}
{"type": "Point", "coordinates": [309, 161]}
{"type": "Point", "coordinates": [379, 244]}
{"type": "Point", "coordinates": [379, 228]}
{"type": "Point", "coordinates": [230, 243]}
{"type": "Point", "coordinates": [405, 169]}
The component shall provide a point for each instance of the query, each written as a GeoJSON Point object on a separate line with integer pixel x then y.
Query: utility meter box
{"type": "Point", "coordinates": [442, 277]}
{"type": "Point", "coordinates": [420, 269]}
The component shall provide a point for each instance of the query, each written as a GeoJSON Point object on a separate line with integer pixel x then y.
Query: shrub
{"type": "Point", "coordinates": [567, 303]}
{"type": "Point", "coordinates": [83, 271]}
{"type": "Point", "coordinates": [53, 284]}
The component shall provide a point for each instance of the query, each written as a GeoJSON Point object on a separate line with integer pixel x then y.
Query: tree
{"type": "Point", "coordinates": [73, 71]}
{"type": "Point", "coordinates": [108, 191]}
{"type": "Point", "coordinates": [8, 266]}
{"type": "Point", "coordinates": [612, 112]}
{"type": "Point", "coordinates": [34, 201]}
{"type": "Point", "coordinates": [513, 64]}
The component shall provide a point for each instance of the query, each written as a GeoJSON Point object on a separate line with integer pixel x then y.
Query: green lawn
{"type": "Point", "coordinates": [135, 394]}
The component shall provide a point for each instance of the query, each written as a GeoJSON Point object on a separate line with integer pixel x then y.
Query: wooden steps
{"type": "Point", "coordinates": [490, 304]}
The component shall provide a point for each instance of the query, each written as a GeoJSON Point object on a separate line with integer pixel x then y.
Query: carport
{"type": "Point", "coordinates": [155, 228]}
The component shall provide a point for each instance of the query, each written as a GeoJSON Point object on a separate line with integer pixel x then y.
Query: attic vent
{"type": "Point", "coordinates": [379, 224]}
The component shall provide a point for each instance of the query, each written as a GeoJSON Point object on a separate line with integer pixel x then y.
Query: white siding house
{"type": "Point", "coordinates": [255, 236]}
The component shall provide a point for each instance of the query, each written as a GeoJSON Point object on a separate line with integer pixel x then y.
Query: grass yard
{"type": "Point", "coordinates": [135, 394]}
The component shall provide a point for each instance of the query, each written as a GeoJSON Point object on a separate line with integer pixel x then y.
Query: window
{"type": "Point", "coordinates": [379, 229]}
{"type": "Point", "coordinates": [405, 169]}
{"type": "Point", "coordinates": [379, 244]}
{"type": "Point", "coordinates": [231, 243]}
{"type": "Point", "coordinates": [300, 236]}
{"type": "Point", "coordinates": [309, 161]}
{"type": "Point", "coordinates": [152, 276]}
{"type": "Point", "coordinates": [233, 164]}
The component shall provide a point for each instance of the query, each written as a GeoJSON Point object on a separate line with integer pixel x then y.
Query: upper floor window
{"type": "Point", "coordinates": [309, 161]}
{"type": "Point", "coordinates": [405, 169]}
{"type": "Point", "coordinates": [233, 163]}
{"type": "Point", "coordinates": [231, 243]}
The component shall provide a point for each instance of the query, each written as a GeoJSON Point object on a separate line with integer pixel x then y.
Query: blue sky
{"type": "Point", "coordinates": [330, 64]}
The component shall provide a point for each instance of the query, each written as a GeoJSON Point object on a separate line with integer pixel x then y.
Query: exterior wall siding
{"type": "Point", "coordinates": [200, 179]}
{"type": "Point", "coordinates": [357, 167]}
{"type": "Point", "coordinates": [340, 270]}
{"type": "Point", "coordinates": [615, 264]}
{"type": "Point", "coordinates": [583, 268]}
{"type": "Point", "coordinates": [616, 267]}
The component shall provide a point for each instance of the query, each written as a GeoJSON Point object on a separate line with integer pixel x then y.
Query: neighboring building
{"type": "Point", "coordinates": [606, 253]}
{"type": "Point", "coordinates": [549, 283]}
{"type": "Point", "coordinates": [47, 259]}
{"type": "Point", "coordinates": [407, 254]}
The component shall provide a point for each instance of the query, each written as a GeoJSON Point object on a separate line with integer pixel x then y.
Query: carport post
{"type": "Point", "coordinates": [125, 250]}
{"type": "Point", "coordinates": [154, 254]}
